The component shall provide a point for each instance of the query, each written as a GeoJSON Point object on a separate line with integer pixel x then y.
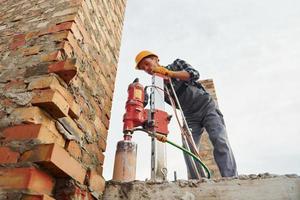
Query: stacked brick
{"type": "Point", "coordinates": [58, 62]}
{"type": "Point", "coordinates": [206, 148]}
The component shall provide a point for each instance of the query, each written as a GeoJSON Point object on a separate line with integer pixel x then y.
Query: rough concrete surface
{"type": "Point", "coordinates": [245, 187]}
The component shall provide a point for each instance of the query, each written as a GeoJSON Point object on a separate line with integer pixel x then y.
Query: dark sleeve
{"type": "Point", "coordinates": [179, 65]}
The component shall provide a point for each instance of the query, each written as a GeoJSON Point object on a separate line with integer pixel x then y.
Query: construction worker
{"type": "Point", "coordinates": [198, 107]}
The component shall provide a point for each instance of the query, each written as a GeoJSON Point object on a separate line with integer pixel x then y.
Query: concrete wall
{"type": "Point", "coordinates": [58, 62]}
{"type": "Point", "coordinates": [252, 187]}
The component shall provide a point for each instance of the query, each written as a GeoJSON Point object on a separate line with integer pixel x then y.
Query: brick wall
{"type": "Point", "coordinates": [58, 62]}
{"type": "Point", "coordinates": [206, 148]}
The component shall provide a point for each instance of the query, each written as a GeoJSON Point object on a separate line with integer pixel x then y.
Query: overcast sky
{"type": "Point", "coordinates": [252, 51]}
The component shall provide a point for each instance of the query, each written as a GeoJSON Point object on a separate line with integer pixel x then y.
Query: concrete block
{"type": "Point", "coordinates": [259, 188]}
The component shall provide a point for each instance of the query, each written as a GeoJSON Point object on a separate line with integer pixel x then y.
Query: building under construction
{"type": "Point", "coordinates": [58, 63]}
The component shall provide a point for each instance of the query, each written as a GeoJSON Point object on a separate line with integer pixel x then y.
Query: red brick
{"type": "Point", "coordinates": [84, 107]}
{"type": "Point", "coordinates": [56, 28]}
{"type": "Point", "coordinates": [53, 56]}
{"type": "Point", "coordinates": [65, 69]}
{"type": "Point", "coordinates": [105, 121]}
{"type": "Point", "coordinates": [99, 169]}
{"type": "Point", "coordinates": [35, 115]}
{"type": "Point", "coordinates": [6, 103]}
{"type": "Point", "coordinates": [32, 50]}
{"type": "Point", "coordinates": [32, 131]}
{"type": "Point", "coordinates": [14, 85]}
{"type": "Point", "coordinates": [66, 18]}
{"type": "Point", "coordinates": [87, 126]}
{"type": "Point", "coordinates": [19, 37]}
{"type": "Point", "coordinates": [92, 148]}
{"type": "Point", "coordinates": [73, 193]}
{"type": "Point", "coordinates": [101, 157]}
{"type": "Point", "coordinates": [82, 30]}
{"type": "Point", "coordinates": [30, 35]}
{"type": "Point", "coordinates": [53, 83]}
{"type": "Point", "coordinates": [18, 41]}
{"type": "Point", "coordinates": [56, 160]}
{"type": "Point", "coordinates": [29, 115]}
{"type": "Point", "coordinates": [100, 128]}
{"type": "Point", "coordinates": [53, 102]}
{"type": "Point", "coordinates": [86, 159]}
{"type": "Point", "coordinates": [76, 32]}
{"type": "Point", "coordinates": [60, 27]}
{"type": "Point", "coordinates": [29, 178]}
{"type": "Point", "coordinates": [74, 110]}
{"type": "Point", "coordinates": [2, 113]}
{"type": "Point", "coordinates": [105, 84]}
{"type": "Point", "coordinates": [96, 107]}
{"type": "Point", "coordinates": [95, 181]}
{"type": "Point", "coordinates": [87, 80]}
{"type": "Point", "coordinates": [102, 144]}
{"type": "Point", "coordinates": [36, 197]}
{"type": "Point", "coordinates": [44, 82]}
{"type": "Point", "coordinates": [74, 149]}
{"type": "Point", "coordinates": [60, 36]}
{"type": "Point", "coordinates": [68, 49]}
{"type": "Point", "coordinates": [76, 48]}
{"type": "Point", "coordinates": [15, 44]}
{"type": "Point", "coordinates": [8, 156]}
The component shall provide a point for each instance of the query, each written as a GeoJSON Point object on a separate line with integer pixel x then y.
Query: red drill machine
{"type": "Point", "coordinates": [136, 114]}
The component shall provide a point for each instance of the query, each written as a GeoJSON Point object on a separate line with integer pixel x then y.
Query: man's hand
{"type": "Point", "coordinates": [163, 71]}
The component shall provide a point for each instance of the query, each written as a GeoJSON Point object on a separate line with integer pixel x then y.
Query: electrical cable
{"type": "Point", "coordinates": [193, 155]}
{"type": "Point", "coordinates": [177, 146]}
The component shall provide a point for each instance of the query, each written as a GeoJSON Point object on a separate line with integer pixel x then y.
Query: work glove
{"type": "Point", "coordinates": [163, 71]}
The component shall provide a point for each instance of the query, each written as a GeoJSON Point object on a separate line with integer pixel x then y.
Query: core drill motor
{"type": "Point", "coordinates": [136, 114]}
{"type": "Point", "coordinates": [154, 122]}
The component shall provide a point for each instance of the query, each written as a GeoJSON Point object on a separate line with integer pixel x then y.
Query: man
{"type": "Point", "coordinates": [198, 107]}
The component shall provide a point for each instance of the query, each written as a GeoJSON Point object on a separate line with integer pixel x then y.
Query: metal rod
{"type": "Point", "coordinates": [158, 149]}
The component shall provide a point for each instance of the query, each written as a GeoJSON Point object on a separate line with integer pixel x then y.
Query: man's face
{"type": "Point", "coordinates": [148, 64]}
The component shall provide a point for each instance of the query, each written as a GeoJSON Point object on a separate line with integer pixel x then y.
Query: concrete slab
{"type": "Point", "coordinates": [245, 187]}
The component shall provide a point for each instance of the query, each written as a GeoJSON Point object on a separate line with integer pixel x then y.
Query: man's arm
{"type": "Point", "coordinates": [182, 75]}
{"type": "Point", "coordinates": [183, 71]}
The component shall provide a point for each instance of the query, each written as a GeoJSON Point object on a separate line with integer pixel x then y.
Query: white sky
{"type": "Point", "coordinates": [252, 51]}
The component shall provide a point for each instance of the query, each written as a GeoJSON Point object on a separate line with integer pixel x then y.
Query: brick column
{"type": "Point", "coordinates": [58, 62]}
{"type": "Point", "coordinates": [206, 148]}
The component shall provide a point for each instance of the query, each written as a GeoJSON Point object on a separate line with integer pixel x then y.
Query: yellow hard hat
{"type": "Point", "coordinates": [143, 54]}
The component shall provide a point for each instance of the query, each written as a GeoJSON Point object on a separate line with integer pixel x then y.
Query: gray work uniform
{"type": "Point", "coordinates": [201, 112]}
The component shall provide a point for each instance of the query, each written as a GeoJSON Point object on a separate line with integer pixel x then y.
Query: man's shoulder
{"type": "Point", "coordinates": [177, 61]}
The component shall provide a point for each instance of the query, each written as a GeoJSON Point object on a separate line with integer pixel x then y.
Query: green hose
{"type": "Point", "coordinates": [193, 155]}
